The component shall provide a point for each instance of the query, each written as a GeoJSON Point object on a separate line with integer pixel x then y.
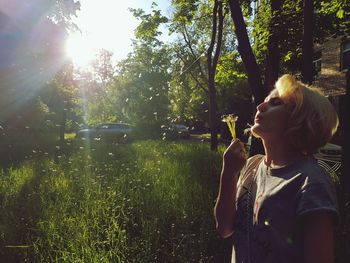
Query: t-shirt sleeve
{"type": "Point", "coordinates": [317, 194]}
{"type": "Point", "coordinates": [251, 164]}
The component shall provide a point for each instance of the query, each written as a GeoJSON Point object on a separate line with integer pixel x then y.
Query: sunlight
{"type": "Point", "coordinates": [81, 50]}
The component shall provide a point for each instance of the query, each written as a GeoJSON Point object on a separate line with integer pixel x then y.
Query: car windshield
{"type": "Point", "coordinates": [180, 126]}
{"type": "Point", "coordinates": [114, 126]}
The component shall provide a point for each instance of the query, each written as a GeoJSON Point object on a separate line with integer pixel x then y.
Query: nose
{"type": "Point", "coordinates": [262, 106]}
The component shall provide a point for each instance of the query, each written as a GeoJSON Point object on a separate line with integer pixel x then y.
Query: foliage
{"type": "Point", "coordinates": [144, 77]}
{"type": "Point", "coordinates": [148, 29]}
{"type": "Point", "coordinates": [141, 87]}
{"type": "Point", "coordinates": [331, 19]}
{"type": "Point", "coordinates": [29, 62]}
{"type": "Point", "coordinates": [97, 98]}
{"type": "Point", "coordinates": [27, 134]}
{"type": "Point", "coordinates": [191, 20]}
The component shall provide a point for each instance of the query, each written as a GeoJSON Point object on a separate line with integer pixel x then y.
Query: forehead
{"type": "Point", "coordinates": [274, 93]}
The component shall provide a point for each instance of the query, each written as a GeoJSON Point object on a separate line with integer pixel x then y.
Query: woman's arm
{"type": "Point", "coordinates": [318, 238]}
{"type": "Point", "coordinates": [225, 208]}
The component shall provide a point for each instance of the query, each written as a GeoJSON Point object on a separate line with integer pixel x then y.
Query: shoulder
{"type": "Point", "coordinates": [317, 191]}
{"type": "Point", "coordinates": [313, 174]}
{"type": "Point", "coordinates": [250, 168]}
{"type": "Point", "coordinates": [253, 162]}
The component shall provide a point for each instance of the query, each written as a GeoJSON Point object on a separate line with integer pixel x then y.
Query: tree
{"type": "Point", "coordinates": [29, 62]}
{"type": "Point", "coordinates": [307, 71]}
{"type": "Point", "coordinates": [246, 52]}
{"type": "Point", "coordinates": [273, 45]}
{"type": "Point", "coordinates": [37, 50]}
{"type": "Point", "coordinates": [141, 85]}
{"type": "Point", "coordinates": [103, 68]}
{"type": "Point", "coordinates": [203, 28]}
{"type": "Point", "coordinates": [191, 21]}
{"type": "Point", "coordinates": [216, 40]}
{"type": "Point", "coordinates": [97, 102]}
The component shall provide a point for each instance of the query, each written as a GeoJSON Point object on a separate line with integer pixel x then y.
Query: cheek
{"type": "Point", "coordinates": [282, 122]}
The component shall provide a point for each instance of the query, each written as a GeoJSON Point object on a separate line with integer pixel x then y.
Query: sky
{"type": "Point", "coordinates": [107, 24]}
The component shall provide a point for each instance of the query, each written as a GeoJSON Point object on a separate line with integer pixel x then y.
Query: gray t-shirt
{"type": "Point", "coordinates": [270, 203]}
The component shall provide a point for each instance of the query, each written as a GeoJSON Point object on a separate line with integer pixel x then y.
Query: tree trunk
{"type": "Point", "coordinates": [216, 37]}
{"type": "Point", "coordinates": [212, 114]}
{"type": "Point", "coordinates": [246, 52]}
{"type": "Point", "coordinates": [307, 48]}
{"type": "Point", "coordinates": [254, 76]}
{"type": "Point", "coordinates": [273, 48]}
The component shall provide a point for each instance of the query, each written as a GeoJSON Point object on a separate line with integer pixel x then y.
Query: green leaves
{"type": "Point", "coordinates": [148, 29]}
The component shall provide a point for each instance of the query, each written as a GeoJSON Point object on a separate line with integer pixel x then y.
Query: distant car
{"type": "Point", "coordinates": [329, 157]}
{"type": "Point", "coordinates": [176, 131]}
{"type": "Point", "coordinates": [107, 132]}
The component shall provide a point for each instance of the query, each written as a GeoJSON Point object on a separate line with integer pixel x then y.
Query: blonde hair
{"type": "Point", "coordinates": [313, 119]}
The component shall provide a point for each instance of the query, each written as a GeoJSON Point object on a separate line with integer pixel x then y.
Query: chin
{"type": "Point", "coordinates": [255, 131]}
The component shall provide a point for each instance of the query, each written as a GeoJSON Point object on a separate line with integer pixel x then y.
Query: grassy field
{"type": "Point", "coordinates": [149, 201]}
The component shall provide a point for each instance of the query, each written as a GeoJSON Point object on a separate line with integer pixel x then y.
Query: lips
{"type": "Point", "coordinates": [258, 118]}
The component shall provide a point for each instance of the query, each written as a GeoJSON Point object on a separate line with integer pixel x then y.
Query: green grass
{"type": "Point", "coordinates": [69, 136]}
{"type": "Point", "coordinates": [149, 201]}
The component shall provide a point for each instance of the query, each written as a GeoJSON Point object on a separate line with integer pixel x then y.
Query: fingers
{"type": "Point", "coordinates": [234, 157]}
{"type": "Point", "coordinates": [236, 145]}
{"type": "Point", "coordinates": [236, 148]}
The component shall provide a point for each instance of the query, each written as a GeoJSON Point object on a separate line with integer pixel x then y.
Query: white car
{"type": "Point", "coordinates": [330, 152]}
{"type": "Point", "coordinates": [107, 132]}
{"type": "Point", "coordinates": [329, 157]}
{"type": "Point", "coordinates": [176, 131]}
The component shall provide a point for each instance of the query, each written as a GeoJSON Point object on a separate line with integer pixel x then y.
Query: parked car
{"type": "Point", "coordinates": [329, 157]}
{"type": "Point", "coordinates": [107, 132]}
{"type": "Point", "coordinates": [330, 152]}
{"type": "Point", "coordinates": [176, 131]}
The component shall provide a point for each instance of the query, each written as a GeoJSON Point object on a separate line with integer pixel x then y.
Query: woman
{"type": "Point", "coordinates": [281, 206]}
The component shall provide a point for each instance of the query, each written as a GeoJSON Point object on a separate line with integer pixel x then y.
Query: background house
{"type": "Point", "coordinates": [331, 62]}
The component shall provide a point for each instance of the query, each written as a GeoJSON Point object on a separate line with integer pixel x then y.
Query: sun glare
{"type": "Point", "coordinates": [80, 50]}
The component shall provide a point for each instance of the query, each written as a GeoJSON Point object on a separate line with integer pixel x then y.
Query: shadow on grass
{"type": "Point", "coordinates": [18, 221]}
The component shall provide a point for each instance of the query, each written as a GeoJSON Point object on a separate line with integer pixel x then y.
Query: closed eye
{"type": "Point", "coordinates": [275, 101]}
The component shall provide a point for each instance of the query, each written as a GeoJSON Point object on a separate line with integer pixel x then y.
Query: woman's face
{"type": "Point", "coordinates": [271, 117]}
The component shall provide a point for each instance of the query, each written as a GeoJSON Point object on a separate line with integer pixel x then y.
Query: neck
{"type": "Point", "coordinates": [280, 153]}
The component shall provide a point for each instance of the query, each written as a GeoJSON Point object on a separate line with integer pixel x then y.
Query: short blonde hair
{"type": "Point", "coordinates": [313, 120]}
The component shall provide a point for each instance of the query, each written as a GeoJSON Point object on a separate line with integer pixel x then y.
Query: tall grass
{"type": "Point", "coordinates": [150, 201]}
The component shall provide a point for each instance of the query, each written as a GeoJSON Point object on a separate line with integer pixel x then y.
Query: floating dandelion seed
{"type": "Point", "coordinates": [231, 119]}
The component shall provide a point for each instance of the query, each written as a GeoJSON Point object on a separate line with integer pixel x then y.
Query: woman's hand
{"type": "Point", "coordinates": [235, 157]}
